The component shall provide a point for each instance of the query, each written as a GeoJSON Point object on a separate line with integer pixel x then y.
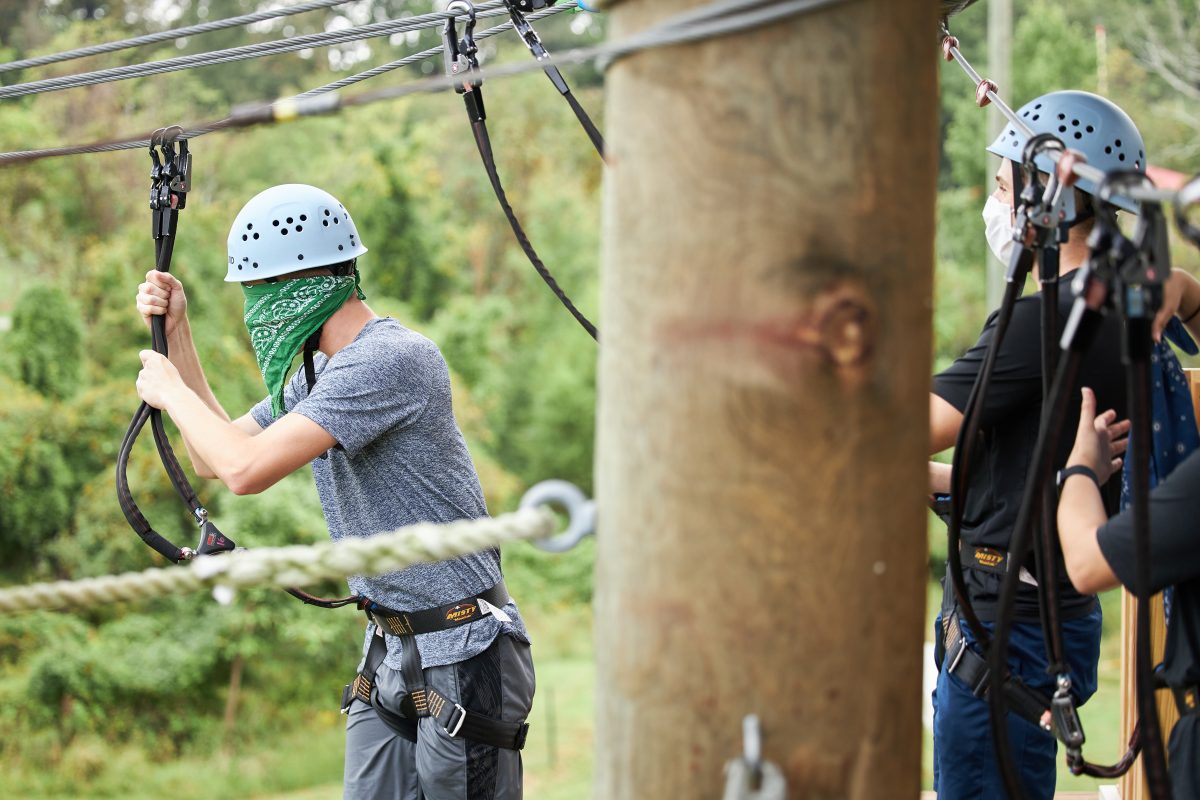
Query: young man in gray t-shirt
{"type": "Point", "coordinates": [438, 709]}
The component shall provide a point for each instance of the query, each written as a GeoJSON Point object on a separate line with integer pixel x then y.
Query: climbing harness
{"type": "Point", "coordinates": [462, 63]}
{"type": "Point", "coordinates": [534, 43]}
{"type": "Point", "coordinates": [420, 700]}
{"type": "Point", "coordinates": [170, 180]}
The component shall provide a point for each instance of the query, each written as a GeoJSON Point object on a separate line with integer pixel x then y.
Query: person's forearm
{"type": "Point", "coordinates": [1080, 515]}
{"type": "Point", "coordinates": [939, 478]}
{"type": "Point", "coordinates": [1189, 302]}
{"type": "Point", "coordinates": [182, 352]}
{"type": "Point", "coordinates": [212, 439]}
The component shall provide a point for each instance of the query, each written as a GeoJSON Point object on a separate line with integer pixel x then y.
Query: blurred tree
{"type": "Point", "coordinates": [47, 340]}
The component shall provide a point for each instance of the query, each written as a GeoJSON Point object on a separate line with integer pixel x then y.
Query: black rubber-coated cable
{"type": "Point", "coordinates": [168, 35]}
{"type": "Point", "coordinates": [482, 141]}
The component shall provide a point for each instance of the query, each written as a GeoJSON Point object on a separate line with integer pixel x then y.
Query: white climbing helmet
{"type": "Point", "coordinates": [288, 228]}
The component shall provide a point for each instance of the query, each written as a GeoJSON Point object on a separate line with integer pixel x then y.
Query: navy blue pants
{"type": "Point", "coordinates": [964, 761]}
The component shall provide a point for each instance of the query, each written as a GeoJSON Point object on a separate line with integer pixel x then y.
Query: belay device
{"type": "Point", "coordinates": [170, 180]}
{"type": "Point", "coordinates": [462, 62]}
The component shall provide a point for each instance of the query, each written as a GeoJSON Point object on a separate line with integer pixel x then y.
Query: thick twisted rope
{"type": "Point", "coordinates": [168, 35]}
{"type": "Point", "coordinates": [297, 565]}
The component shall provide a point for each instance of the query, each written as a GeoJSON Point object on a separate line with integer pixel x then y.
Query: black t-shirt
{"type": "Point", "coordinates": [1174, 561]}
{"type": "Point", "coordinates": [1011, 414]}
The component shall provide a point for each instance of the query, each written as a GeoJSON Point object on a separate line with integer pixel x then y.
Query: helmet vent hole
{"type": "Point", "coordinates": [1062, 128]}
{"type": "Point", "coordinates": [1121, 157]}
{"type": "Point", "coordinates": [303, 217]}
{"type": "Point", "coordinates": [289, 220]}
{"type": "Point", "coordinates": [1039, 105]}
{"type": "Point", "coordinates": [231, 259]}
{"type": "Point", "coordinates": [326, 210]}
{"type": "Point", "coordinates": [255, 265]}
{"type": "Point", "coordinates": [1062, 116]}
{"type": "Point", "coordinates": [300, 257]}
{"type": "Point", "coordinates": [1090, 129]}
{"type": "Point", "coordinates": [239, 266]}
{"type": "Point", "coordinates": [1035, 117]}
{"type": "Point", "coordinates": [335, 220]}
{"type": "Point", "coordinates": [1078, 135]}
{"type": "Point", "coordinates": [1141, 154]}
{"type": "Point", "coordinates": [325, 223]}
{"type": "Point", "coordinates": [1117, 142]}
{"type": "Point", "coordinates": [1137, 165]}
{"type": "Point", "coordinates": [1075, 123]}
{"type": "Point", "coordinates": [340, 247]}
{"type": "Point", "coordinates": [249, 226]}
{"type": "Point", "coordinates": [245, 237]}
{"type": "Point", "coordinates": [1108, 151]}
{"type": "Point", "coordinates": [256, 236]}
{"type": "Point", "coordinates": [299, 228]}
{"type": "Point", "coordinates": [283, 231]}
{"type": "Point", "coordinates": [245, 258]}
{"type": "Point", "coordinates": [275, 222]}
{"type": "Point", "coordinates": [1024, 113]}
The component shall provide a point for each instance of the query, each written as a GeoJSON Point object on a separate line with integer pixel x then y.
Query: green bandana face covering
{"type": "Point", "coordinates": [281, 316]}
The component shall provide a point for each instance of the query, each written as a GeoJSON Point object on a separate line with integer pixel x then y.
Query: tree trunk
{"type": "Point", "coordinates": [764, 373]}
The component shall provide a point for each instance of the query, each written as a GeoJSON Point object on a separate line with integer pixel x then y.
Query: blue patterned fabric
{"type": "Point", "coordinates": [1173, 419]}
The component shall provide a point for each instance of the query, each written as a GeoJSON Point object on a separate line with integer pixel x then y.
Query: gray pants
{"type": "Point", "coordinates": [382, 765]}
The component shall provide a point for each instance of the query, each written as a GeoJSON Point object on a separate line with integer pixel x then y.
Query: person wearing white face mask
{"type": "Point", "coordinates": [964, 758]}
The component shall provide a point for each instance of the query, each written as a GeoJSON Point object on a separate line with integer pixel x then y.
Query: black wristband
{"type": "Point", "coordinates": [1078, 469]}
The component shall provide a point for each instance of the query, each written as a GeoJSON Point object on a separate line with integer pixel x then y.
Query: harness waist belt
{"type": "Point", "coordinates": [429, 620]}
{"type": "Point", "coordinates": [987, 559]}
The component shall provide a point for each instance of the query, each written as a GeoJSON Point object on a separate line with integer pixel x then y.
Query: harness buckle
{"type": "Point", "coordinates": [453, 726]}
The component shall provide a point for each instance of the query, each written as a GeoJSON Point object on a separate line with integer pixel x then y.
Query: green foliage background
{"type": "Point", "coordinates": [91, 702]}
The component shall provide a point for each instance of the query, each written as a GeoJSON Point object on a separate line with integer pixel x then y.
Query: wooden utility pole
{"type": "Point", "coordinates": [764, 380]}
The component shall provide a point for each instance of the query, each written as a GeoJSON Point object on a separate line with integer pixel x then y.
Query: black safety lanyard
{"type": "Point", "coordinates": [170, 180]}
{"type": "Point", "coordinates": [462, 63]}
{"type": "Point", "coordinates": [1127, 275]}
{"type": "Point", "coordinates": [1038, 229]}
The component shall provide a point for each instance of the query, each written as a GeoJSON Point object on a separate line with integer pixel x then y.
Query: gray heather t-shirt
{"type": "Point", "coordinates": [385, 398]}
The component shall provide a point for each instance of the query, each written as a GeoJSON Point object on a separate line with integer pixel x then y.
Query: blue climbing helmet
{"type": "Point", "coordinates": [289, 228]}
{"type": "Point", "coordinates": [1086, 122]}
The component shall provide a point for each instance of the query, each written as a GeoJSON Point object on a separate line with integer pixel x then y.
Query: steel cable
{"type": "Point", "coordinates": [665, 35]}
{"type": "Point", "coordinates": [168, 35]}
{"type": "Point", "coordinates": [242, 53]}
